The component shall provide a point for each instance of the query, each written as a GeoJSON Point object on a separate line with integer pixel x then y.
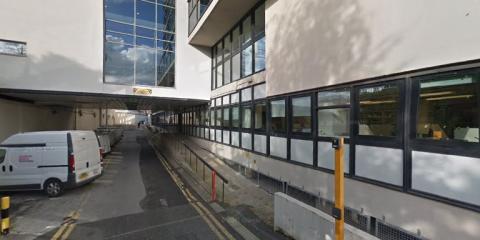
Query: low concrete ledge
{"type": "Point", "coordinates": [304, 222]}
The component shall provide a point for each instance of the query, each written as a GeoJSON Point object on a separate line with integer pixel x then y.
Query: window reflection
{"type": "Point", "coordinates": [145, 14]}
{"type": "Point", "coordinates": [120, 10]}
{"type": "Point", "coordinates": [448, 109]}
{"type": "Point", "coordinates": [247, 61]}
{"type": "Point", "coordinates": [155, 58]}
{"type": "Point", "coordinates": [260, 116]}
{"type": "Point", "coordinates": [379, 107]}
{"type": "Point", "coordinates": [278, 117]}
{"type": "Point", "coordinates": [246, 117]}
{"type": "Point", "coordinates": [301, 115]}
{"type": "Point", "coordinates": [119, 61]}
{"type": "Point", "coordinates": [145, 66]}
{"type": "Point", "coordinates": [236, 117]}
{"type": "Point", "coordinates": [260, 54]}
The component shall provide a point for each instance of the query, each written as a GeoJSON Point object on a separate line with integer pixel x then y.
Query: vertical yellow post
{"type": "Point", "coordinates": [339, 189]}
{"type": "Point", "coordinates": [5, 224]}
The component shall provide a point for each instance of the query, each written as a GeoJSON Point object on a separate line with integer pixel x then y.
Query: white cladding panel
{"type": "Point", "coordinates": [378, 163]}
{"type": "Point", "coordinates": [326, 156]}
{"type": "Point", "coordinates": [450, 176]}
{"type": "Point", "coordinates": [260, 143]}
{"type": "Point", "coordinates": [302, 151]}
{"type": "Point", "coordinates": [278, 147]}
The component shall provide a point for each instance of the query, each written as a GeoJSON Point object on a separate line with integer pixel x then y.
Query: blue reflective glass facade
{"type": "Point", "coordinates": [140, 42]}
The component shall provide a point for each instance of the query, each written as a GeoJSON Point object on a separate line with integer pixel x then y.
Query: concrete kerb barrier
{"type": "Point", "coordinates": [304, 222]}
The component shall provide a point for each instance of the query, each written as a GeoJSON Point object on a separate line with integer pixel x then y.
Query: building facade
{"type": "Point", "coordinates": [399, 81]}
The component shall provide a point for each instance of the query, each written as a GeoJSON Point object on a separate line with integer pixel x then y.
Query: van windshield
{"type": "Point", "coordinates": [3, 152]}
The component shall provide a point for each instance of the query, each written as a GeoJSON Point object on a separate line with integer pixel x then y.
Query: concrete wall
{"type": "Point", "coordinates": [434, 220]}
{"type": "Point", "coordinates": [314, 43]}
{"type": "Point", "coordinates": [304, 222]}
{"type": "Point", "coordinates": [24, 117]}
{"type": "Point", "coordinates": [65, 50]}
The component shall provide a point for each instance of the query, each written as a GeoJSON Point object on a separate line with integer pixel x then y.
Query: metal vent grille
{"type": "Point", "coordinates": [356, 219]}
{"type": "Point", "coordinates": [388, 232]}
{"type": "Point", "coordinates": [301, 195]}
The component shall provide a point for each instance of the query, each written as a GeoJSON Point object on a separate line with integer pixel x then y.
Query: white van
{"type": "Point", "coordinates": [51, 161]}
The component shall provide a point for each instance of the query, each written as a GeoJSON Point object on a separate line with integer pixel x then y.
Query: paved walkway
{"type": "Point", "coordinates": [247, 203]}
{"type": "Point", "coordinates": [136, 198]}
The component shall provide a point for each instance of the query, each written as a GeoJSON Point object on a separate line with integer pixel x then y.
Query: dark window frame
{"type": "Point", "coordinates": [467, 149]}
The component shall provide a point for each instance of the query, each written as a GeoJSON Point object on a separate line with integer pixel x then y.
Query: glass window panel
{"type": "Point", "coordinates": [144, 32]}
{"type": "Point", "coordinates": [170, 46]}
{"type": "Point", "coordinates": [235, 97]}
{"type": "Point", "coordinates": [236, 40]}
{"type": "Point", "coordinates": [145, 66]}
{"type": "Point", "coordinates": [165, 18]}
{"type": "Point", "coordinates": [165, 36]}
{"type": "Point", "coordinates": [119, 62]}
{"type": "Point", "coordinates": [448, 109]}
{"type": "Point", "coordinates": [3, 153]}
{"type": "Point", "coordinates": [212, 117]}
{"type": "Point", "coordinates": [118, 27]}
{"type": "Point", "coordinates": [378, 111]}
{"type": "Point", "coordinates": [145, 42]}
{"type": "Point", "coordinates": [260, 20]}
{"type": "Point", "coordinates": [227, 45]}
{"type": "Point", "coordinates": [246, 94]}
{"type": "Point", "coordinates": [301, 115]}
{"type": "Point", "coordinates": [13, 48]}
{"type": "Point", "coordinates": [219, 76]}
{"type": "Point", "coordinates": [165, 69]}
{"type": "Point", "coordinates": [226, 73]}
{"type": "Point", "coordinates": [218, 101]}
{"type": "Point", "coordinates": [119, 10]}
{"type": "Point", "coordinates": [333, 122]}
{"type": "Point", "coordinates": [226, 117]}
{"type": "Point", "coordinates": [246, 30]}
{"type": "Point", "coordinates": [259, 91]}
{"type": "Point", "coordinates": [334, 97]}
{"type": "Point", "coordinates": [219, 53]}
{"type": "Point", "coordinates": [246, 117]}
{"type": "Point", "coordinates": [260, 116]}
{"type": "Point", "coordinates": [145, 14]}
{"type": "Point", "coordinates": [218, 117]}
{"type": "Point", "coordinates": [247, 61]}
{"type": "Point", "coordinates": [236, 116]}
{"type": "Point", "coordinates": [226, 100]}
{"type": "Point", "coordinates": [236, 67]}
{"type": "Point", "coordinates": [278, 117]}
{"type": "Point", "coordinates": [118, 38]}
{"type": "Point", "coordinates": [260, 54]}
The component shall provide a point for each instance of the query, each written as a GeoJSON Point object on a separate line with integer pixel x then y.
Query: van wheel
{"type": "Point", "coordinates": [53, 187]}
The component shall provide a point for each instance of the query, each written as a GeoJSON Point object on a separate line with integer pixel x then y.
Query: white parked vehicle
{"type": "Point", "coordinates": [51, 161]}
{"type": "Point", "coordinates": [104, 142]}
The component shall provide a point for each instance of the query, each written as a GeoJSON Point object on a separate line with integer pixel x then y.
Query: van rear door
{"type": "Point", "coordinates": [87, 155]}
{"type": "Point", "coordinates": [5, 179]}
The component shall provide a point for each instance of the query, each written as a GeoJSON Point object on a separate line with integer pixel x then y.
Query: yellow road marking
{"type": "Point", "coordinates": [211, 221]}
{"type": "Point", "coordinates": [68, 231]}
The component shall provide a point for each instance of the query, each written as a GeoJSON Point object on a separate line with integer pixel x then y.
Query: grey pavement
{"type": "Point", "coordinates": [134, 199]}
{"type": "Point", "coordinates": [246, 206]}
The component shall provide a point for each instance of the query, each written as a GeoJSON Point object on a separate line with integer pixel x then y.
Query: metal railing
{"type": "Point", "coordinates": [193, 159]}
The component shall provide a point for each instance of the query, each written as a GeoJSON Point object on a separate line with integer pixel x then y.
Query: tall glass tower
{"type": "Point", "coordinates": [140, 42]}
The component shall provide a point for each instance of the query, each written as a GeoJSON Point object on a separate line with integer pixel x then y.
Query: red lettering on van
{"type": "Point", "coordinates": [25, 158]}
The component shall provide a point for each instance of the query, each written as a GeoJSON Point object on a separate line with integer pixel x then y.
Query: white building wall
{"type": "Point", "coordinates": [314, 43]}
{"type": "Point", "coordinates": [24, 117]}
{"type": "Point", "coordinates": [434, 220]}
{"type": "Point", "coordinates": [65, 50]}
